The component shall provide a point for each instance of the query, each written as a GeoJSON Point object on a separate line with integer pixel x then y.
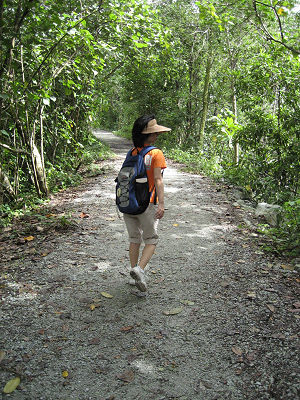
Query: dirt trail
{"type": "Point", "coordinates": [233, 332]}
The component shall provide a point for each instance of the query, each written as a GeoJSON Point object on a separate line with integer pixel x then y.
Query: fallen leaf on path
{"type": "Point", "coordinates": [65, 374]}
{"type": "Point", "coordinates": [11, 385]}
{"type": "Point", "coordinates": [278, 336]}
{"type": "Point", "coordinates": [84, 215]}
{"type": "Point", "coordinates": [288, 267]}
{"type": "Point", "coordinates": [237, 351]}
{"type": "Point", "coordinates": [94, 341]}
{"type": "Point", "coordinates": [127, 376]}
{"type": "Point", "coordinates": [271, 307]}
{"type": "Point", "coordinates": [159, 280]}
{"type": "Point", "coordinates": [251, 356]}
{"type": "Point", "coordinates": [175, 224]}
{"type": "Point", "coordinates": [126, 328]}
{"type": "Point", "coordinates": [187, 302]}
{"type": "Point", "coordinates": [106, 295]}
{"type": "Point", "coordinates": [251, 295]}
{"type": "Point", "coordinates": [224, 284]}
{"type": "Point", "coordinates": [173, 311]}
{"type": "Point", "coordinates": [94, 306]}
{"type": "Point", "coordinates": [2, 355]}
{"type": "Point", "coordinates": [29, 238]}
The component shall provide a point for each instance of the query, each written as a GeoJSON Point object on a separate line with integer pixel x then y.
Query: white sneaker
{"type": "Point", "coordinates": [138, 274]}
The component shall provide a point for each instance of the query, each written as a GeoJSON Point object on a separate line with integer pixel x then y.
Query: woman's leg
{"type": "Point", "coordinates": [134, 251]}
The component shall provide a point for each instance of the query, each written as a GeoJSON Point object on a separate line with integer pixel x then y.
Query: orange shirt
{"type": "Point", "coordinates": [153, 159]}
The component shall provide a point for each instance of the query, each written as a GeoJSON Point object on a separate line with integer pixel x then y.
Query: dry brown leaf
{"type": "Point", "coordinates": [127, 376]}
{"type": "Point", "coordinates": [29, 238]}
{"type": "Point", "coordinates": [94, 341]}
{"type": "Point", "coordinates": [126, 328]}
{"type": "Point", "coordinates": [271, 307]}
{"type": "Point", "coordinates": [237, 351]}
{"type": "Point", "coordinates": [224, 284]}
{"type": "Point", "coordinates": [288, 267]}
{"type": "Point", "coordinates": [2, 355]}
{"type": "Point", "coordinates": [83, 215]}
{"type": "Point", "coordinates": [251, 356]}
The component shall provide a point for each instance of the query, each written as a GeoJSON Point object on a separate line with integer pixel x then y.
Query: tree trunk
{"type": "Point", "coordinates": [205, 97]}
{"type": "Point", "coordinates": [39, 172]}
{"type": "Point", "coordinates": [5, 186]}
{"type": "Point", "coordinates": [234, 109]}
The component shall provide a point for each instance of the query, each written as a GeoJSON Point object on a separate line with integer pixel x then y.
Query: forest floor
{"type": "Point", "coordinates": [220, 319]}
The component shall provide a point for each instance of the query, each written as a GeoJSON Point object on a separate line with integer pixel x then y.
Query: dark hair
{"type": "Point", "coordinates": [138, 137]}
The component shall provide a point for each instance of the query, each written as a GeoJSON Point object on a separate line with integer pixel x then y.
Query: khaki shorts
{"type": "Point", "coordinates": [142, 227]}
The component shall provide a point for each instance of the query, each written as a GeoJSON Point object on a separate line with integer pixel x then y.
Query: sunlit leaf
{"type": "Point", "coordinates": [29, 238]}
{"type": "Point", "coordinates": [187, 302]}
{"type": "Point", "coordinates": [251, 295]}
{"type": "Point", "coordinates": [65, 374]}
{"type": "Point", "coordinates": [107, 295]}
{"type": "Point", "coordinates": [280, 11]}
{"type": "Point", "coordinates": [11, 385]}
{"type": "Point", "coordinates": [173, 311]}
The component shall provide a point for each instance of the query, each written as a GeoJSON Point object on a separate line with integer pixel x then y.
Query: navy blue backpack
{"type": "Point", "coordinates": [132, 188]}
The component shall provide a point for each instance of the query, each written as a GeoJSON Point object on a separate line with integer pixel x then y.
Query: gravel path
{"type": "Point", "coordinates": [219, 320]}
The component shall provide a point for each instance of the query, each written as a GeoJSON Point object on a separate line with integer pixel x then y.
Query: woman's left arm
{"type": "Point", "coordinates": [159, 186]}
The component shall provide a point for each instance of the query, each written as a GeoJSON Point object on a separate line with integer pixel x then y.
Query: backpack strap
{"type": "Point", "coordinates": [146, 150]}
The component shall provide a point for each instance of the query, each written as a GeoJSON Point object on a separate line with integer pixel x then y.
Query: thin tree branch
{"type": "Point", "coordinates": [114, 70]}
{"type": "Point", "coordinates": [267, 33]}
{"type": "Point", "coordinates": [16, 151]}
{"type": "Point", "coordinates": [279, 23]}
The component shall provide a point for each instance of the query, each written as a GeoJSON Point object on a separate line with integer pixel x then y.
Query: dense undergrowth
{"type": "Point", "coordinates": [66, 172]}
